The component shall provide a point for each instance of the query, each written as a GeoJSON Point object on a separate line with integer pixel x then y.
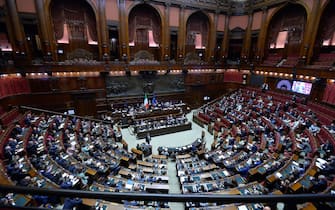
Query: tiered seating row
{"type": "Point", "coordinates": [282, 125]}
{"type": "Point", "coordinates": [8, 117]}
{"type": "Point", "coordinates": [49, 142]}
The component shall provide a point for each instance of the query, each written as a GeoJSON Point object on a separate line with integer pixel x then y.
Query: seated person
{"type": "Point", "coordinates": [319, 184]}
{"type": "Point", "coordinates": [70, 203]}
{"type": "Point", "coordinates": [327, 147]}
{"type": "Point", "coordinates": [7, 200]}
{"type": "Point", "coordinates": [328, 168]}
{"type": "Point", "coordinates": [314, 128]}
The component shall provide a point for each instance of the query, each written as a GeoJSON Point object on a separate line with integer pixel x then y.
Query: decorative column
{"type": "Point", "coordinates": [311, 33]}
{"type": "Point", "coordinates": [166, 33]}
{"type": "Point", "coordinates": [247, 38]}
{"type": "Point", "coordinates": [182, 33]}
{"type": "Point", "coordinates": [103, 30]}
{"type": "Point", "coordinates": [225, 43]}
{"type": "Point", "coordinates": [262, 35]}
{"type": "Point", "coordinates": [46, 48]}
{"type": "Point", "coordinates": [124, 40]}
{"type": "Point", "coordinates": [20, 47]}
{"type": "Point", "coordinates": [210, 51]}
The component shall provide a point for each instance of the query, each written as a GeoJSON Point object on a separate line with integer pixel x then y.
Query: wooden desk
{"type": "Point", "coordinates": [156, 113]}
{"type": "Point", "coordinates": [252, 171]}
{"type": "Point", "coordinates": [124, 161]}
{"type": "Point", "coordinates": [271, 178]}
{"type": "Point", "coordinates": [159, 156]}
{"type": "Point", "coordinates": [308, 206]}
{"type": "Point", "coordinates": [138, 153]}
{"type": "Point", "coordinates": [91, 172]}
{"type": "Point", "coordinates": [124, 173]}
{"type": "Point", "coordinates": [183, 156]}
{"type": "Point", "coordinates": [144, 163]}
{"type": "Point", "coordinates": [277, 192]}
{"type": "Point", "coordinates": [295, 186]}
{"type": "Point", "coordinates": [147, 170]}
{"type": "Point", "coordinates": [32, 173]}
{"type": "Point", "coordinates": [132, 167]}
{"type": "Point", "coordinates": [89, 202]}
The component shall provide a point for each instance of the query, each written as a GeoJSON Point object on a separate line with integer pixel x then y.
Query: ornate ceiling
{"type": "Point", "coordinates": [226, 6]}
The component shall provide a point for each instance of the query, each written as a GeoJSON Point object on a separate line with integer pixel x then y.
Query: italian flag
{"type": "Point", "coordinates": [146, 102]}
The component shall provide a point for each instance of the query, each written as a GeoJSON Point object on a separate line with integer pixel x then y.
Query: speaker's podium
{"type": "Point", "coordinates": [124, 161]}
{"type": "Point", "coordinates": [91, 173]}
{"type": "Point", "coordinates": [138, 153]}
{"type": "Point", "coordinates": [201, 153]}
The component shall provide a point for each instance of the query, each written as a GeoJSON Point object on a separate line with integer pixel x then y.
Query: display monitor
{"type": "Point", "coordinates": [207, 98]}
{"type": "Point", "coordinates": [284, 84]}
{"type": "Point", "coordinates": [302, 87]}
{"type": "Point", "coordinates": [71, 112]}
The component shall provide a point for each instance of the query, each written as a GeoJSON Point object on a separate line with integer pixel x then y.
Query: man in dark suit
{"type": "Point", "coordinates": [148, 138]}
{"type": "Point", "coordinates": [320, 184]}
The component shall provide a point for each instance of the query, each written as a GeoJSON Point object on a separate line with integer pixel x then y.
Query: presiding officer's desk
{"type": "Point", "coordinates": [127, 115]}
{"type": "Point", "coordinates": [162, 130]}
{"type": "Point", "coordinates": [157, 112]}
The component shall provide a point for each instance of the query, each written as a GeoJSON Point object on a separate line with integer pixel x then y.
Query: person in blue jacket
{"type": "Point", "coordinates": [70, 203]}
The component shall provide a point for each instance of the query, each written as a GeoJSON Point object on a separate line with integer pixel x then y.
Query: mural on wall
{"type": "Point", "coordinates": [137, 85]}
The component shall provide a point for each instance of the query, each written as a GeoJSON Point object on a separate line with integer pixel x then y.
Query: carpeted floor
{"type": "Point", "coordinates": [171, 140]}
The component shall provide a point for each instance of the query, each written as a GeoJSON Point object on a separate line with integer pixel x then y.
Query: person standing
{"type": "Point", "coordinates": [148, 138]}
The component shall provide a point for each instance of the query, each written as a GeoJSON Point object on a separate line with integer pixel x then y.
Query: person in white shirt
{"type": "Point", "coordinates": [314, 128]}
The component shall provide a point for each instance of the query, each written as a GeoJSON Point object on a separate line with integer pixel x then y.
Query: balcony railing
{"type": "Point", "coordinates": [206, 198]}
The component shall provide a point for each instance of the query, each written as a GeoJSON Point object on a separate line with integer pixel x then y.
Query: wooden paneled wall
{"type": "Point", "coordinates": [88, 95]}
